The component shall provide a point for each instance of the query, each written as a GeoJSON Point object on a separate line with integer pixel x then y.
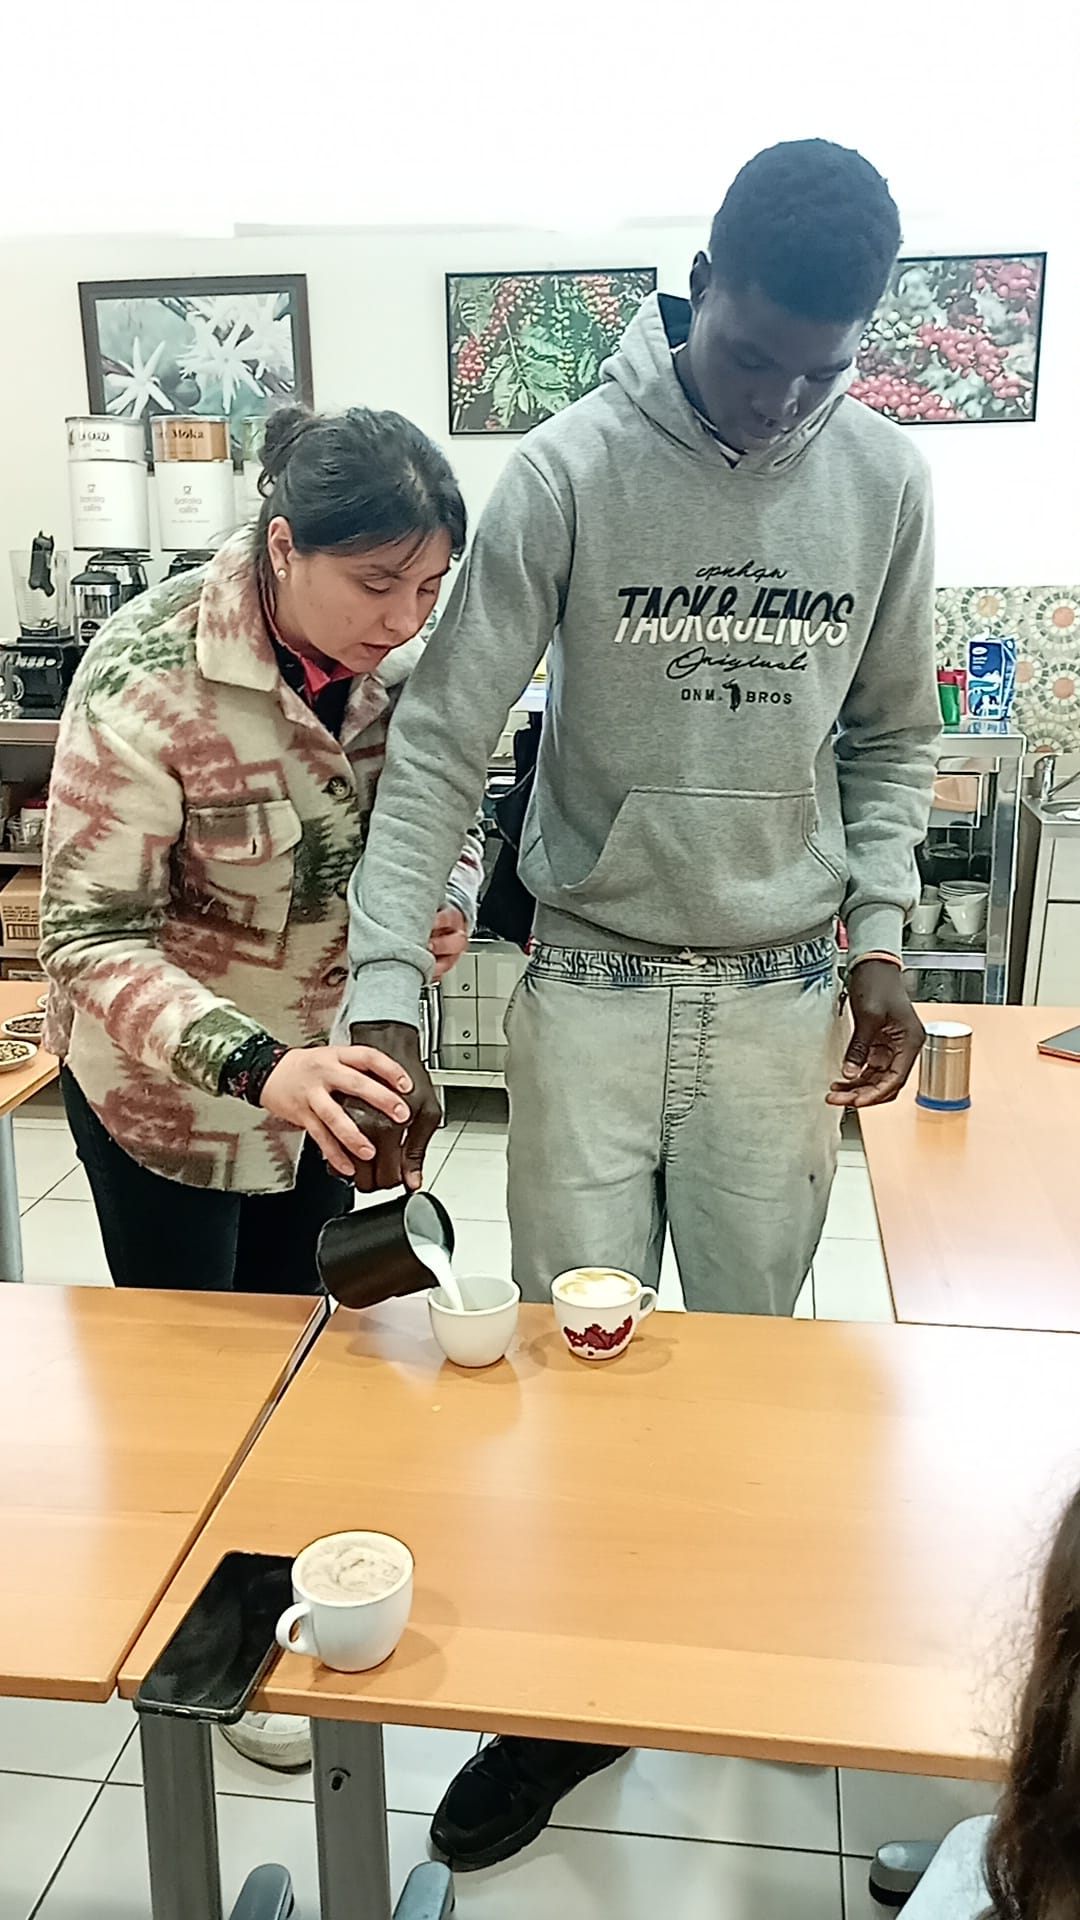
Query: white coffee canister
{"type": "Point", "coordinates": [194, 472]}
{"type": "Point", "coordinates": [107, 482]}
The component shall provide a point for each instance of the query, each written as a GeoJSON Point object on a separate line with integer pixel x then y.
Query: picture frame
{"type": "Point", "coordinates": [956, 340]}
{"type": "Point", "coordinates": [232, 344]}
{"type": "Point", "coordinates": [522, 346]}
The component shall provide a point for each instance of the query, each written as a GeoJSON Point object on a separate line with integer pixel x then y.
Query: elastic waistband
{"type": "Point", "coordinates": [584, 967]}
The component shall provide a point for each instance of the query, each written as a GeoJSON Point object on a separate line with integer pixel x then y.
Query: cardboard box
{"type": "Point", "coordinates": [20, 909]}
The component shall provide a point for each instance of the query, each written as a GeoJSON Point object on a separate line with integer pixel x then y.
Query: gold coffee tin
{"type": "Point", "coordinates": [191, 436]}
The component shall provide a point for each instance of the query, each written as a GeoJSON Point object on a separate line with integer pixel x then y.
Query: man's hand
{"type": "Point", "coordinates": [399, 1150]}
{"type": "Point", "coordinates": [887, 1040]}
{"type": "Point", "coordinates": [307, 1086]}
{"type": "Point", "coordinates": [449, 939]}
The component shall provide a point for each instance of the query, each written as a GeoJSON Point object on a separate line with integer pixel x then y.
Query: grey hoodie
{"type": "Point", "coordinates": [741, 729]}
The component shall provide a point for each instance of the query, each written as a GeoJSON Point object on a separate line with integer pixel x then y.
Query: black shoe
{"type": "Point", "coordinates": [504, 1798]}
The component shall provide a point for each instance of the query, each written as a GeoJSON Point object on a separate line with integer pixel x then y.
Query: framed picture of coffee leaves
{"type": "Point", "coordinates": [524, 345]}
{"type": "Point", "coordinates": [236, 345]}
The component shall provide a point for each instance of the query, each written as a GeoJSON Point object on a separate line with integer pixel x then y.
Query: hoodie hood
{"type": "Point", "coordinates": [643, 367]}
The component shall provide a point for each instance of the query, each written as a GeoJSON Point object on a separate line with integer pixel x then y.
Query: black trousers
{"type": "Point", "coordinates": [160, 1234]}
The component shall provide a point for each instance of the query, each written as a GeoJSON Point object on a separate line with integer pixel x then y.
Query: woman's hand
{"type": "Point", "coordinates": [449, 939]}
{"type": "Point", "coordinates": [306, 1089]}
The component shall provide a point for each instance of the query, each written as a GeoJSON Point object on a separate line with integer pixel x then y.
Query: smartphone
{"type": "Point", "coordinates": [225, 1642]}
{"type": "Point", "coordinates": [1063, 1046]}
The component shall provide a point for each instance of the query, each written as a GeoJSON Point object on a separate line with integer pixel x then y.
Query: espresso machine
{"type": "Point", "coordinates": [36, 669]}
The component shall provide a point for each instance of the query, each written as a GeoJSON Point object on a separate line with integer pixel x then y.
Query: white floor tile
{"type": "Point", "coordinates": [687, 1796]}
{"type": "Point", "coordinates": [38, 1820]}
{"type": "Point", "coordinates": [592, 1876]}
{"type": "Point", "coordinates": [104, 1877]}
{"type": "Point", "coordinates": [875, 1807]}
{"type": "Point", "coordinates": [858, 1904]}
{"type": "Point", "coordinates": [482, 1247]}
{"type": "Point", "coordinates": [62, 1245]}
{"type": "Point", "coordinates": [74, 1186]}
{"type": "Point", "coordinates": [473, 1185]}
{"type": "Point", "coordinates": [420, 1764]}
{"type": "Point", "coordinates": [850, 1281]}
{"type": "Point", "coordinates": [44, 1155]}
{"type": "Point", "coordinates": [670, 1289]}
{"type": "Point", "coordinates": [804, 1305]}
{"type": "Point", "coordinates": [852, 1214]}
{"type": "Point", "coordinates": [478, 1134]}
{"type": "Point", "coordinates": [62, 1737]}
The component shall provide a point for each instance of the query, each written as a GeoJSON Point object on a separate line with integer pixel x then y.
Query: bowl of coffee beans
{"type": "Point", "coordinates": [15, 1054]}
{"type": "Point", "coordinates": [24, 1026]}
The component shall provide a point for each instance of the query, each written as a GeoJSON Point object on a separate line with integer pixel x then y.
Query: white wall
{"type": "Point", "coordinates": [575, 113]}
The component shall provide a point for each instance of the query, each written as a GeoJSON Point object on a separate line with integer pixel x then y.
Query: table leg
{"type": "Point", "coordinates": [181, 1818]}
{"type": "Point", "coordinates": [11, 1259]}
{"type": "Point", "coordinates": [350, 1821]}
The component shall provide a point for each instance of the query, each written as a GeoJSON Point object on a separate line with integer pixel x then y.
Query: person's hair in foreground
{"type": "Point", "coordinates": [1033, 1854]}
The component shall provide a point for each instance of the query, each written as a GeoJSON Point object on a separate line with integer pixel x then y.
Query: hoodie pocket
{"type": "Point", "coordinates": [703, 868]}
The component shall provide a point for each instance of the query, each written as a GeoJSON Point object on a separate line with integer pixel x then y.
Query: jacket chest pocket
{"type": "Point", "coordinates": [239, 863]}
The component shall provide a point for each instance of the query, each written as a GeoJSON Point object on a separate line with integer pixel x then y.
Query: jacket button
{"type": "Point", "coordinates": [336, 977]}
{"type": "Point", "coordinates": [342, 889]}
{"type": "Point", "coordinates": [338, 788]}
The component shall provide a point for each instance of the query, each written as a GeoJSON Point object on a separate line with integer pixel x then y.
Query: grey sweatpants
{"type": "Point", "coordinates": [690, 1094]}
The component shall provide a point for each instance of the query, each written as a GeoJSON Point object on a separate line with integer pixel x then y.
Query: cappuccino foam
{"type": "Point", "coordinates": [348, 1568]}
{"type": "Point", "coordinates": [598, 1287]}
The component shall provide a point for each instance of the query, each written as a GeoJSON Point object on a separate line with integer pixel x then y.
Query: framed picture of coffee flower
{"type": "Point", "coordinates": [237, 345]}
{"type": "Point", "coordinates": [954, 340]}
{"type": "Point", "coordinates": [524, 345]}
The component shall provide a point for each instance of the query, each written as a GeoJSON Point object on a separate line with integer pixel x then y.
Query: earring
{"type": "Point", "coordinates": [281, 573]}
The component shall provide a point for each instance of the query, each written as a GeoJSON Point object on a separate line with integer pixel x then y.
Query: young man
{"type": "Point", "coordinates": [731, 564]}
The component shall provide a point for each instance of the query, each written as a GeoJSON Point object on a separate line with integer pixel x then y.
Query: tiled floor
{"type": "Point", "coordinates": [694, 1838]}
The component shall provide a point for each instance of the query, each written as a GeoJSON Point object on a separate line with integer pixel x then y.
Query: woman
{"type": "Point", "coordinates": [214, 776]}
{"type": "Point", "coordinates": [1033, 1854]}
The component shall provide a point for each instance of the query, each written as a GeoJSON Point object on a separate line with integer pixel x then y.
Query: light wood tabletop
{"type": "Point", "coordinates": [785, 1540]}
{"type": "Point", "coordinates": [22, 996]}
{"type": "Point", "coordinates": [122, 1417]}
{"type": "Point", "coordinates": [980, 1211]}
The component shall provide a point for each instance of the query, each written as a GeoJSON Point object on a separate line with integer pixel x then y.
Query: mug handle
{"type": "Point", "coordinates": [647, 1299]}
{"type": "Point", "coordinates": [298, 1616]}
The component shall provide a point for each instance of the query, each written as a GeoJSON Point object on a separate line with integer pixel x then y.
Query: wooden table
{"type": "Point", "coordinates": [122, 1417]}
{"type": "Point", "coordinates": [785, 1540]}
{"type": "Point", "coordinates": [17, 997]}
{"type": "Point", "coordinates": [980, 1211]}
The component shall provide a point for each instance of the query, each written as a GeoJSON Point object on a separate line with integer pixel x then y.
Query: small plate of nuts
{"type": "Point", "coordinates": [15, 1054]}
{"type": "Point", "coordinates": [25, 1026]}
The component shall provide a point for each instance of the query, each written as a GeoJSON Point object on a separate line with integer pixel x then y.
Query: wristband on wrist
{"type": "Point", "coordinates": [890, 959]}
{"type": "Point", "coordinates": [248, 1068]}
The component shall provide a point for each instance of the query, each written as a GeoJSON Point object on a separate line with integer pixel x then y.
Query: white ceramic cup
{"type": "Point", "coordinates": [595, 1332]}
{"type": "Point", "coordinates": [479, 1336]}
{"type": "Point", "coordinates": [349, 1635]}
{"type": "Point", "coordinates": [924, 919]}
{"type": "Point", "coordinates": [967, 912]}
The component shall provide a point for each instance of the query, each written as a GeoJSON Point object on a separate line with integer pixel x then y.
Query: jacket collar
{"type": "Point", "coordinates": [232, 645]}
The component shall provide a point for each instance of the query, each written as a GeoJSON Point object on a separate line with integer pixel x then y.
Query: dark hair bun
{"type": "Point", "coordinates": [284, 427]}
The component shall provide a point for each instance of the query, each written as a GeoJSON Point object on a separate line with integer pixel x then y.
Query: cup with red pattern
{"type": "Point", "coordinates": [599, 1309]}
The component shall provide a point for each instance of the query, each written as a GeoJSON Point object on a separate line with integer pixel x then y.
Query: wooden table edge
{"type": "Point", "coordinates": [97, 1692]}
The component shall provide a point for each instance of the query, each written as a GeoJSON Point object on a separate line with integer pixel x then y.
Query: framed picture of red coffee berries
{"type": "Point", "coordinates": [524, 345]}
{"type": "Point", "coordinates": [955, 339]}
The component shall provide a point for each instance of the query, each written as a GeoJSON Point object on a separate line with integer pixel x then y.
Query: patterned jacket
{"type": "Point", "coordinates": [202, 828]}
